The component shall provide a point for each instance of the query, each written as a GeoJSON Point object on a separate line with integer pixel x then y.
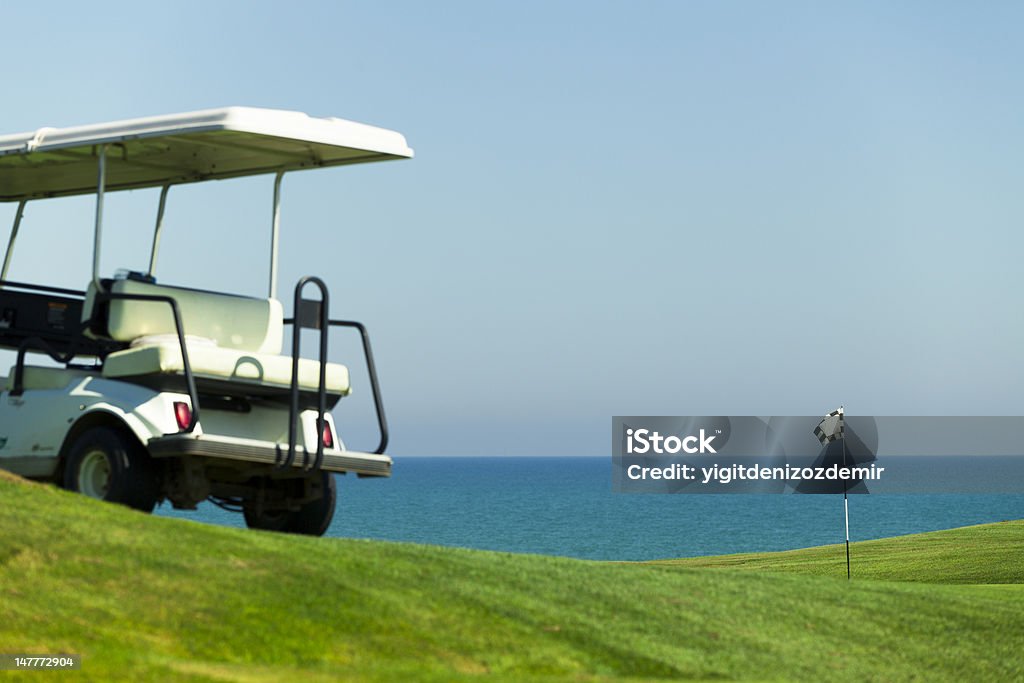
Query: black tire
{"type": "Point", "coordinates": [312, 519]}
{"type": "Point", "coordinates": [267, 520]}
{"type": "Point", "coordinates": [108, 464]}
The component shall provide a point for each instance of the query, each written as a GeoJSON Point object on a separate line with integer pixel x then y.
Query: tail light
{"type": "Point", "coordinates": [328, 435]}
{"type": "Point", "coordinates": [183, 414]}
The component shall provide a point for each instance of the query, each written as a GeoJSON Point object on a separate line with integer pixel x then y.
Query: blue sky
{"type": "Point", "coordinates": [615, 208]}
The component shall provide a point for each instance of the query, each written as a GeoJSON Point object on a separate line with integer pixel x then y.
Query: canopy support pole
{"type": "Point", "coordinates": [158, 229]}
{"type": "Point", "coordinates": [274, 231]}
{"type": "Point", "coordinates": [101, 184]}
{"type": "Point", "coordinates": [14, 236]}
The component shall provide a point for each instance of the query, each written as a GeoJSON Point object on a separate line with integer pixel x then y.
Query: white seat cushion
{"type": "Point", "coordinates": [233, 322]}
{"type": "Point", "coordinates": [191, 340]}
{"type": "Point", "coordinates": [227, 364]}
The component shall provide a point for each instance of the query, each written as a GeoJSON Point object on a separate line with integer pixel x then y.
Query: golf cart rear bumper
{"type": "Point", "coordinates": [366, 464]}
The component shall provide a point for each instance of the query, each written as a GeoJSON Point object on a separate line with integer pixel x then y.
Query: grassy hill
{"type": "Point", "coordinates": [983, 554]}
{"type": "Point", "coordinates": [147, 598]}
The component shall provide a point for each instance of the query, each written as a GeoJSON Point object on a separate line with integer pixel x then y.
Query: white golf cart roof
{"type": "Point", "coordinates": [169, 150]}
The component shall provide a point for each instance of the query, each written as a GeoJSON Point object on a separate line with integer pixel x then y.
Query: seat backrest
{"type": "Point", "coordinates": [234, 322]}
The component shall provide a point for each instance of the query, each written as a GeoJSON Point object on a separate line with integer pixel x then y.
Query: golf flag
{"type": "Point", "coordinates": [831, 427]}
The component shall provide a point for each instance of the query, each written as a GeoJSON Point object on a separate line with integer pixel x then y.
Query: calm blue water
{"type": "Point", "coordinates": [565, 506]}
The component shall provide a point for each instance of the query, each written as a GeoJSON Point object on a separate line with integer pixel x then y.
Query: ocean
{"type": "Point", "coordinates": [565, 506]}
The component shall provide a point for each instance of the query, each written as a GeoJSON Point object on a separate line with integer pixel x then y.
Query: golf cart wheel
{"type": "Point", "coordinates": [267, 520]}
{"type": "Point", "coordinates": [312, 519]}
{"type": "Point", "coordinates": [108, 464]}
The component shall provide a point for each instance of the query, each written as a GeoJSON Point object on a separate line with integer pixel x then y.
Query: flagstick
{"type": "Point", "coordinates": [846, 507]}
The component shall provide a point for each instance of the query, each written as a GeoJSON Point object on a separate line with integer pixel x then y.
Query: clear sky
{"type": "Point", "coordinates": [674, 208]}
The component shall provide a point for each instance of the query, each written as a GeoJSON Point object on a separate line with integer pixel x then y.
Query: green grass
{"type": "Point", "coordinates": [151, 599]}
{"type": "Point", "coordinates": [983, 554]}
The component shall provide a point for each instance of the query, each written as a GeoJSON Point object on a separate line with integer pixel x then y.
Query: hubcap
{"type": "Point", "coordinates": [94, 475]}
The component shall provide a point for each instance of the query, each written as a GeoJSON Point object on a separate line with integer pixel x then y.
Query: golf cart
{"type": "Point", "coordinates": [158, 392]}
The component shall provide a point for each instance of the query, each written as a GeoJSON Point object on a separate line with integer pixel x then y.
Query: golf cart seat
{"type": "Point", "coordinates": [230, 339]}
